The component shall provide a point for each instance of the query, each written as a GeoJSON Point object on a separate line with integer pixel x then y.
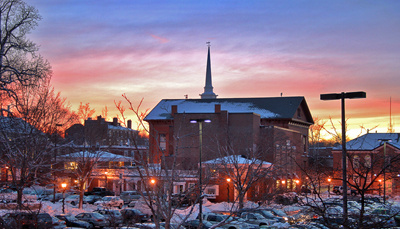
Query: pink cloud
{"type": "Point", "coordinates": [162, 40]}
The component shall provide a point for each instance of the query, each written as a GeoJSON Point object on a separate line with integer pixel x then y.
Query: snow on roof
{"type": "Point", "coordinates": [16, 126]}
{"type": "Point", "coordinates": [237, 159]}
{"type": "Point", "coordinates": [275, 107]}
{"type": "Point", "coordinates": [372, 141]}
{"type": "Point", "coordinates": [102, 155]}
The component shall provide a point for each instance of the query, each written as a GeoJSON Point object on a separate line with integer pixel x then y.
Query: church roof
{"type": "Point", "coordinates": [371, 141]}
{"type": "Point", "coordinates": [267, 108]}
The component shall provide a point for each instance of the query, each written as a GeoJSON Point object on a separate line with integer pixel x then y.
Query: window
{"type": "Point", "coordinates": [71, 165]}
{"type": "Point", "coordinates": [356, 162]}
{"type": "Point", "coordinates": [212, 191]}
{"type": "Point", "coordinates": [163, 141]}
{"type": "Point", "coordinates": [114, 164]}
{"type": "Point", "coordinates": [367, 161]}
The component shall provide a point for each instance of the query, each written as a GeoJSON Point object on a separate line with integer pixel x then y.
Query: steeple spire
{"type": "Point", "coordinates": [208, 89]}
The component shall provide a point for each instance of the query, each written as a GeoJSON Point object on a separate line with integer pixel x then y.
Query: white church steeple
{"type": "Point", "coordinates": [208, 89]}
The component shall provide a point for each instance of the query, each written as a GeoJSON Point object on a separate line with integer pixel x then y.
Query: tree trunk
{"type": "Point", "coordinates": [241, 199]}
{"type": "Point", "coordinates": [19, 198]}
{"type": "Point", "coordinates": [81, 191]}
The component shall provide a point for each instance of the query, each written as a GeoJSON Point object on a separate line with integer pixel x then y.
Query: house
{"type": "Point", "coordinates": [229, 174]}
{"type": "Point", "coordinates": [373, 158]}
{"type": "Point", "coordinates": [273, 128]}
{"type": "Point", "coordinates": [115, 148]}
{"type": "Point", "coordinates": [109, 170]}
{"type": "Point", "coordinates": [111, 136]}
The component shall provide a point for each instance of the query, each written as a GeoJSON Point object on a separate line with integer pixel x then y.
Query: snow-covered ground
{"type": "Point", "coordinates": [183, 214]}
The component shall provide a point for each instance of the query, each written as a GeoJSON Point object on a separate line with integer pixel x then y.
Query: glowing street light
{"type": "Point", "coordinates": [329, 186]}
{"type": "Point", "coordinates": [63, 186]}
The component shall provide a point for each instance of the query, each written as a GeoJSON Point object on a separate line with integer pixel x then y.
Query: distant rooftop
{"type": "Point", "coordinates": [372, 141]}
{"type": "Point", "coordinates": [269, 107]}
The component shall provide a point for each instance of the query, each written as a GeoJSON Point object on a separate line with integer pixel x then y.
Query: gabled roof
{"type": "Point", "coordinates": [98, 156]}
{"type": "Point", "coordinates": [267, 108]}
{"type": "Point", "coordinates": [371, 141]}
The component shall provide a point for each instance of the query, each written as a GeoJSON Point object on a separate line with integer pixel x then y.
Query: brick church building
{"type": "Point", "coordinates": [273, 129]}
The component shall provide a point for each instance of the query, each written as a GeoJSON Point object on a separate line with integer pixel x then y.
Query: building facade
{"type": "Point", "coordinates": [373, 163]}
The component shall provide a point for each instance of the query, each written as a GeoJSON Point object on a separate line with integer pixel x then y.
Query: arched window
{"type": "Point", "coordinates": [356, 162]}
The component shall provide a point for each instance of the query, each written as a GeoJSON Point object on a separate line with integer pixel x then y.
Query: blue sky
{"type": "Point", "coordinates": [157, 50]}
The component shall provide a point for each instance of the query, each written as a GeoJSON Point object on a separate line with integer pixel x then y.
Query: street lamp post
{"type": "Point", "coordinates": [342, 96]}
{"type": "Point", "coordinates": [228, 180]}
{"type": "Point", "coordinates": [200, 122]}
{"type": "Point", "coordinates": [105, 174]}
{"type": "Point", "coordinates": [55, 161]}
{"type": "Point", "coordinates": [63, 186]}
{"type": "Point", "coordinates": [329, 187]}
{"type": "Point", "coordinates": [384, 167]}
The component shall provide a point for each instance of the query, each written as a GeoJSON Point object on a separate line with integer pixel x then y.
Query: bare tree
{"type": "Point", "coordinates": [19, 60]}
{"type": "Point", "coordinates": [159, 180]}
{"type": "Point", "coordinates": [82, 164]}
{"type": "Point", "coordinates": [24, 150]}
{"type": "Point", "coordinates": [244, 171]}
{"type": "Point", "coordinates": [85, 112]}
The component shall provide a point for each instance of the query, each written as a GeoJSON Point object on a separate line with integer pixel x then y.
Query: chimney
{"type": "Point", "coordinates": [174, 109]}
{"type": "Point", "coordinates": [217, 108]}
{"type": "Point", "coordinates": [115, 121]}
{"type": "Point", "coordinates": [130, 124]}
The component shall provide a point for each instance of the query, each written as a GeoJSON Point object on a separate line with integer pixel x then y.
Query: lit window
{"type": "Point", "coordinates": [71, 165]}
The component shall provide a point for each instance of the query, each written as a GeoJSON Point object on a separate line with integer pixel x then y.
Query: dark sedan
{"type": "Point", "coordinates": [71, 221]}
{"type": "Point", "coordinates": [131, 215]}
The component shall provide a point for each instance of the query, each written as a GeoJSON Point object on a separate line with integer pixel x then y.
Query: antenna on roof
{"type": "Point", "coordinates": [281, 94]}
{"type": "Point", "coordinates": [390, 129]}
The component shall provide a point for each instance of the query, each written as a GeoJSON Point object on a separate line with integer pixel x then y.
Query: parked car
{"type": "Point", "coordinates": [94, 218]}
{"type": "Point", "coordinates": [72, 199]}
{"type": "Point", "coordinates": [114, 217]}
{"type": "Point", "coordinates": [91, 199]}
{"type": "Point", "coordinates": [382, 217]}
{"type": "Point", "coordinates": [339, 190]}
{"type": "Point", "coordinates": [227, 221]}
{"type": "Point", "coordinates": [100, 191]}
{"type": "Point", "coordinates": [128, 196]}
{"type": "Point", "coordinates": [58, 223]}
{"type": "Point", "coordinates": [194, 224]}
{"type": "Point", "coordinates": [266, 213]}
{"type": "Point", "coordinates": [257, 218]}
{"type": "Point", "coordinates": [144, 226]}
{"type": "Point", "coordinates": [110, 201]}
{"type": "Point", "coordinates": [28, 220]}
{"type": "Point", "coordinates": [71, 221]}
{"type": "Point", "coordinates": [131, 215]}
{"type": "Point", "coordinates": [59, 196]}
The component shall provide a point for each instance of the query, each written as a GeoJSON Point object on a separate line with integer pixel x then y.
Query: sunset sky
{"type": "Point", "coordinates": [100, 49]}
